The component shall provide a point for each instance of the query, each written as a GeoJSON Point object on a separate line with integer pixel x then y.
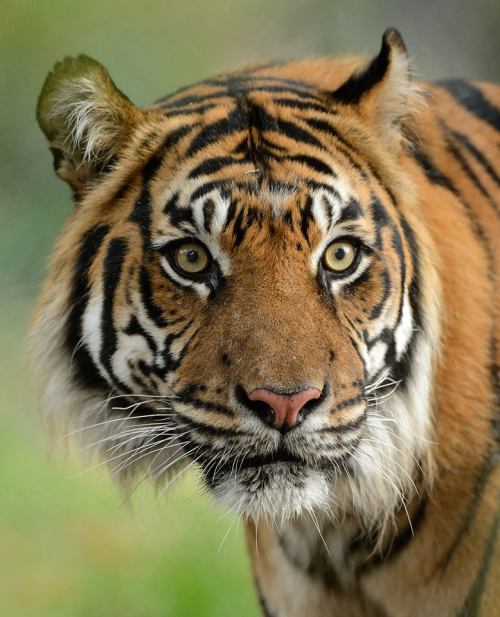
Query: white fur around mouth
{"type": "Point", "coordinates": [274, 492]}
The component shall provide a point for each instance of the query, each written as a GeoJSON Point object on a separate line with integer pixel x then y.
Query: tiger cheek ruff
{"type": "Point", "coordinates": [283, 276]}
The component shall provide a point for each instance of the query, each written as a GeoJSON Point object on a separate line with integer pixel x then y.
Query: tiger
{"type": "Point", "coordinates": [283, 277]}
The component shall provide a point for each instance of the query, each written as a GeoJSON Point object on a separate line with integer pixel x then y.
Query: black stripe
{"type": "Point", "coordinates": [415, 291]}
{"type": "Point", "coordinates": [141, 214]}
{"type": "Point", "coordinates": [436, 176]}
{"type": "Point", "coordinates": [397, 245]}
{"type": "Point", "coordinates": [363, 81]}
{"type": "Point", "coordinates": [386, 336]}
{"type": "Point", "coordinates": [313, 163]}
{"type": "Point", "coordinates": [266, 612]}
{"type": "Point", "coordinates": [478, 155]}
{"type": "Point", "coordinates": [345, 148]}
{"type": "Point", "coordinates": [494, 370]}
{"type": "Point", "coordinates": [231, 212]}
{"type": "Point", "coordinates": [207, 429]}
{"type": "Point", "coordinates": [85, 372]}
{"type": "Point", "coordinates": [302, 105]}
{"type": "Point", "coordinates": [239, 230]}
{"type": "Point", "coordinates": [473, 100]}
{"type": "Point", "coordinates": [351, 212]}
{"type": "Point", "coordinates": [188, 110]}
{"type": "Point", "coordinates": [213, 165]}
{"type": "Point", "coordinates": [207, 187]}
{"type": "Point", "coordinates": [303, 94]}
{"type": "Point", "coordinates": [316, 565]}
{"type": "Point", "coordinates": [179, 216]}
{"type": "Point", "coordinates": [171, 363]}
{"type": "Point", "coordinates": [380, 218]}
{"type": "Point", "coordinates": [467, 169]}
{"type": "Point", "coordinates": [192, 99]}
{"type": "Point", "coordinates": [236, 92]}
{"type": "Point", "coordinates": [234, 82]}
{"type": "Point", "coordinates": [153, 311]}
{"type": "Point", "coordinates": [112, 270]}
{"type": "Point", "coordinates": [349, 402]}
{"type": "Point", "coordinates": [216, 131]}
{"type": "Point", "coordinates": [186, 396]}
{"type": "Point", "coordinates": [386, 291]}
{"type": "Point", "coordinates": [473, 602]}
{"type": "Point", "coordinates": [275, 148]}
{"type": "Point", "coordinates": [400, 369]}
{"type": "Point", "coordinates": [172, 139]}
{"type": "Point", "coordinates": [348, 426]}
{"type": "Point", "coordinates": [263, 121]}
{"type": "Point", "coordinates": [208, 214]}
{"type": "Point", "coordinates": [432, 172]}
{"type": "Point", "coordinates": [306, 217]}
{"type": "Point", "coordinates": [469, 514]}
{"type": "Point", "coordinates": [287, 218]}
{"type": "Point", "coordinates": [135, 328]}
{"type": "Point", "coordinates": [396, 543]}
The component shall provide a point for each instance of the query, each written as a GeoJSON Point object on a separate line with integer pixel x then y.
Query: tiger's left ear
{"type": "Point", "coordinates": [383, 93]}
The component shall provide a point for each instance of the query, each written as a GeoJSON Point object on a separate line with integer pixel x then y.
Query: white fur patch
{"type": "Point", "coordinates": [274, 494]}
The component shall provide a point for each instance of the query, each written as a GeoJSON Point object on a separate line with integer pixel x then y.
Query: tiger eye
{"type": "Point", "coordinates": [340, 256]}
{"type": "Point", "coordinates": [192, 257]}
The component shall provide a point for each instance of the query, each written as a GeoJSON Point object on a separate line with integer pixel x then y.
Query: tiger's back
{"type": "Point", "coordinates": [298, 261]}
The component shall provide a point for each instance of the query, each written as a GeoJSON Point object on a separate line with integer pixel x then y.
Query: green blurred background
{"type": "Point", "coordinates": [69, 547]}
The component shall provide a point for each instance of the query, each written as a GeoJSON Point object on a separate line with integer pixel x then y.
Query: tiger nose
{"type": "Point", "coordinates": [286, 407]}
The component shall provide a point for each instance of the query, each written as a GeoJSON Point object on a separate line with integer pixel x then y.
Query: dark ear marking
{"type": "Point", "coordinates": [383, 94]}
{"type": "Point", "coordinates": [363, 81]}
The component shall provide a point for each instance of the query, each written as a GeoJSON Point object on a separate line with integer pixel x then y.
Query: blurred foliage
{"type": "Point", "coordinates": [67, 547]}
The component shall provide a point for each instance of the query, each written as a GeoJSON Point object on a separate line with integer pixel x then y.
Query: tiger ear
{"type": "Point", "coordinates": [382, 91]}
{"type": "Point", "coordinates": [84, 117]}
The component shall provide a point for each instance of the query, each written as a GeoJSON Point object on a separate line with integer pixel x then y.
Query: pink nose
{"type": "Point", "coordinates": [286, 407]}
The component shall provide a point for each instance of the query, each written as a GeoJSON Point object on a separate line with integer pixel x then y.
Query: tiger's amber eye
{"type": "Point", "coordinates": [192, 257]}
{"type": "Point", "coordinates": [339, 256]}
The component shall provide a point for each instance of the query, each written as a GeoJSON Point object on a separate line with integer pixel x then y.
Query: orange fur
{"type": "Point", "coordinates": [419, 538]}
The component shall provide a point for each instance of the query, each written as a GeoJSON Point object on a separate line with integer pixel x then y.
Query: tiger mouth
{"type": "Point", "coordinates": [281, 458]}
{"type": "Point", "coordinates": [252, 465]}
{"type": "Point", "coordinates": [282, 455]}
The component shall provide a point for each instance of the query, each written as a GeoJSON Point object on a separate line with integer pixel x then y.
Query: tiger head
{"type": "Point", "coordinates": [240, 285]}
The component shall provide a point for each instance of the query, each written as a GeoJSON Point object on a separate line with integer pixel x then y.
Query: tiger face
{"type": "Point", "coordinates": [239, 286]}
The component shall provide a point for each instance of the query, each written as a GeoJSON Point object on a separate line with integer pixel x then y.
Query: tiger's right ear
{"type": "Point", "coordinates": [85, 118]}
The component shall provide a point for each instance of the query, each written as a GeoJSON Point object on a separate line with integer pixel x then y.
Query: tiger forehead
{"type": "Point", "coordinates": [272, 208]}
{"type": "Point", "coordinates": [242, 90]}
{"type": "Point", "coordinates": [256, 142]}
{"type": "Point", "coordinates": [279, 129]}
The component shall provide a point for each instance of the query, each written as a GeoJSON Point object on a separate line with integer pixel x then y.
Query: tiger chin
{"type": "Point", "coordinates": [284, 277]}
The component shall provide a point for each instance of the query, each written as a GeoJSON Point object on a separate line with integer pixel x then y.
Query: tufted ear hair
{"type": "Point", "coordinates": [85, 118]}
{"type": "Point", "coordinates": [383, 93]}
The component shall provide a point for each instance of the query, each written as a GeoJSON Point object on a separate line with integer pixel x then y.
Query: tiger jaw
{"type": "Point", "coordinates": [275, 492]}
